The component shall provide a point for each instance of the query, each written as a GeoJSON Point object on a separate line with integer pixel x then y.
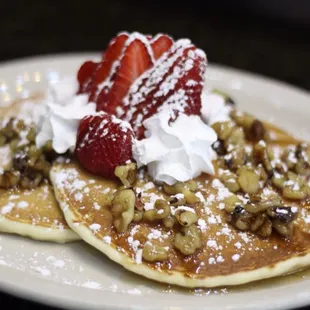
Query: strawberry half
{"type": "Point", "coordinates": [125, 59]}
{"type": "Point", "coordinates": [85, 74]}
{"type": "Point", "coordinates": [103, 143]}
{"type": "Point", "coordinates": [108, 63]}
{"type": "Point", "coordinates": [160, 44]}
{"type": "Point", "coordinates": [175, 81]}
{"type": "Point", "coordinates": [136, 59]}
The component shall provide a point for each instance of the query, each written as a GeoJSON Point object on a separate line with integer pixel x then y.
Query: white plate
{"type": "Point", "coordinates": [77, 276]}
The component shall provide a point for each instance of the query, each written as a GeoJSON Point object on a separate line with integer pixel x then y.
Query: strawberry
{"type": "Point", "coordinates": [176, 81]}
{"type": "Point", "coordinates": [136, 59]}
{"type": "Point", "coordinates": [84, 75]}
{"type": "Point", "coordinates": [103, 143]}
{"type": "Point", "coordinates": [109, 59]}
{"type": "Point", "coordinates": [160, 44]}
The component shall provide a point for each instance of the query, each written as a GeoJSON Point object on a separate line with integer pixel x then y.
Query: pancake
{"type": "Point", "coordinates": [33, 213]}
{"type": "Point", "coordinates": [227, 256]}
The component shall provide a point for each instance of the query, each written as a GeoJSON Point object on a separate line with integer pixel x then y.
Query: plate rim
{"type": "Point", "coordinates": [213, 65]}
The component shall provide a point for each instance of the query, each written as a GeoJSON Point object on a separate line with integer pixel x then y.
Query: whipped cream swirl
{"type": "Point", "coordinates": [62, 112]}
{"type": "Point", "coordinates": [182, 150]}
{"type": "Point", "coordinates": [179, 151]}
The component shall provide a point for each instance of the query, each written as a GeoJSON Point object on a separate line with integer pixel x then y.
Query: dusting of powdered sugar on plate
{"type": "Point", "coordinates": [74, 264]}
{"type": "Point", "coordinates": [77, 264]}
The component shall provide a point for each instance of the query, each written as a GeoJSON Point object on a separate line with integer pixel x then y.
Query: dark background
{"type": "Point", "coordinates": [269, 37]}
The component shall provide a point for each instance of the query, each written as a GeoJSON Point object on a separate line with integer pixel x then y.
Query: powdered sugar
{"type": "Point", "coordinates": [22, 204]}
{"type": "Point", "coordinates": [134, 291]}
{"type": "Point", "coordinates": [13, 197]}
{"type": "Point", "coordinates": [138, 257]}
{"type": "Point", "coordinates": [235, 257]}
{"type": "Point", "coordinates": [202, 225]}
{"type": "Point", "coordinates": [107, 239]}
{"type": "Point", "coordinates": [92, 284]}
{"type": "Point", "coordinates": [106, 190]}
{"type": "Point", "coordinates": [94, 227]}
{"type": "Point", "coordinates": [43, 271]}
{"type": "Point", "coordinates": [78, 196]}
{"type": "Point", "coordinates": [212, 244]}
{"type": "Point", "coordinates": [96, 206]}
{"type": "Point", "coordinates": [58, 263]}
{"type": "Point", "coordinates": [7, 208]}
{"type": "Point", "coordinates": [155, 234]}
{"type": "Point", "coordinates": [238, 245]}
{"type": "Point", "coordinates": [134, 244]}
{"type": "Point", "coordinates": [223, 192]}
{"type": "Point", "coordinates": [148, 198]}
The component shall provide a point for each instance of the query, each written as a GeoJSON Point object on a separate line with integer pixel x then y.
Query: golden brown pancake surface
{"type": "Point", "coordinates": [226, 252]}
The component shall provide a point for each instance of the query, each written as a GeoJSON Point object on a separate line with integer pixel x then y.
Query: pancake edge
{"type": "Point", "coordinates": [173, 277]}
{"type": "Point", "coordinates": [37, 232]}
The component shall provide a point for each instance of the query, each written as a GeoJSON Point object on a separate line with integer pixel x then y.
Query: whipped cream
{"type": "Point", "coordinates": [182, 150]}
{"type": "Point", "coordinates": [62, 112]}
{"type": "Point", "coordinates": [213, 108]}
{"type": "Point", "coordinates": [174, 152]}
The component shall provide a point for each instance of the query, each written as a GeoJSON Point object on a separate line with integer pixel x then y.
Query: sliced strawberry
{"type": "Point", "coordinates": [161, 44]}
{"type": "Point", "coordinates": [176, 81]}
{"type": "Point", "coordinates": [103, 143]}
{"type": "Point", "coordinates": [85, 74]}
{"type": "Point", "coordinates": [110, 56]}
{"type": "Point", "coordinates": [136, 59]}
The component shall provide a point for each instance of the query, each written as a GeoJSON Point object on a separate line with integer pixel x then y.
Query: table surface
{"type": "Point", "coordinates": [233, 37]}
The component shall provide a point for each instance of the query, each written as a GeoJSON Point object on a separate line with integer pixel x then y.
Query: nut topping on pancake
{"type": "Point", "coordinates": [30, 166]}
{"type": "Point", "coordinates": [28, 206]}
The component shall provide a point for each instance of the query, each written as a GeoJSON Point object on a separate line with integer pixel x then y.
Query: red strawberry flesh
{"type": "Point", "coordinates": [161, 44]}
{"type": "Point", "coordinates": [110, 56]}
{"type": "Point", "coordinates": [103, 143]}
{"type": "Point", "coordinates": [136, 60]}
{"type": "Point", "coordinates": [85, 74]}
{"type": "Point", "coordinates": [175, 80]}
